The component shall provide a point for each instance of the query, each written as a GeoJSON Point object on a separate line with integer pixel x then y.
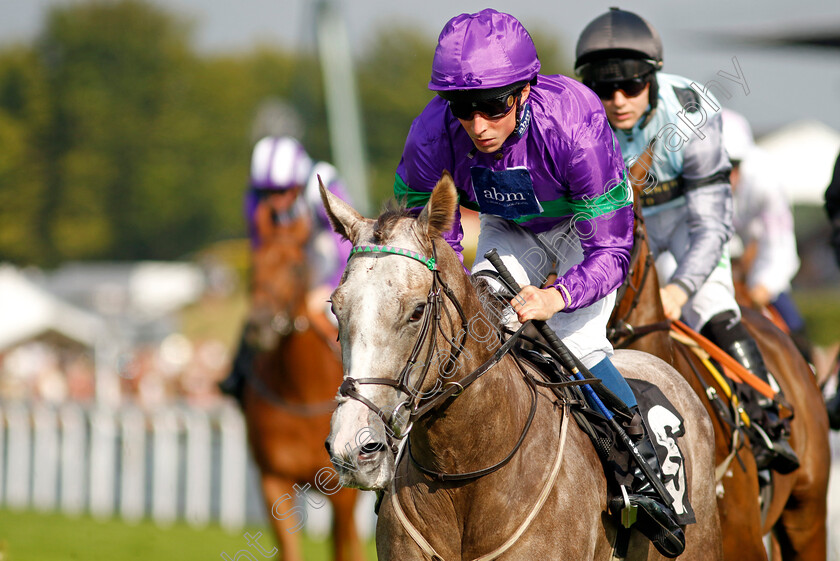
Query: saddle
{"type": "Point", "coordinates": [661, 419]}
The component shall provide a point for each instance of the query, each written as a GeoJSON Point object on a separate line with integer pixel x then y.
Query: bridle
{"type": "Point", "coordinates": [623, 333]}
{"type": "Point", "coordinates": [419, 404]}
{"type": "Point", "coordinates": [402, 383]}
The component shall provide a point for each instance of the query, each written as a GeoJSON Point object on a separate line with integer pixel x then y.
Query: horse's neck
{"type": "Point", "coordinates": [301, 367]}
{"type": "Point", "coordinates": [479, 427]}
{"type": "Point", "coordinates": [648, 302]}
{"type": "Point", "coordinates": [481, 418]}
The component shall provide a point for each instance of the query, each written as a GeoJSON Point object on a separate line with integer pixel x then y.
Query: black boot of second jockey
{"type": "Point", "coordinates": [770, 443]}
{"type": "Point", "coordinates": [656, 520]}
{"type": "Point", "coordinates": [832, 405]}
{"type": "Point", "coordinates": [234, 384]}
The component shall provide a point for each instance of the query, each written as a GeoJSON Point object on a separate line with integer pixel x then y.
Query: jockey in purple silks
{"type": "Point", "coordinates": [536, 157]}
{"type": "Point", "coordinates": [281, 168]}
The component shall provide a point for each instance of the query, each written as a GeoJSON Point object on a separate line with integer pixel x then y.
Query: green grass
{"type": "Point", "coordinates": [32, 536]}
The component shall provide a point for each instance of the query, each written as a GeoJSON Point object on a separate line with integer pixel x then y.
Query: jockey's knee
{"type": "Point", "coordinates": [614, 381]}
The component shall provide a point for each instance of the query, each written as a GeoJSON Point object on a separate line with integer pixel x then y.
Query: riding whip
{"type": "Point", "coordinates": [581, 373]}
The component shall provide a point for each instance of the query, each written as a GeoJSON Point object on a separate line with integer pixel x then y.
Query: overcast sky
{"type": "Point", "coordinates": [785, 84]}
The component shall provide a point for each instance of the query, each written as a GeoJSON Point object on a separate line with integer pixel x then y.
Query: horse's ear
{"type": "Point", "coordinates": [439, 212]}
{"type": "Point", "coordinates": [344, 218]}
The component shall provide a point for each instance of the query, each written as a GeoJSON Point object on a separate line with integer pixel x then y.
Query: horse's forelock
{"type": "Point", "coordinates": [387, 220]}
{"type": "Point", "coordinates": [385, 224]}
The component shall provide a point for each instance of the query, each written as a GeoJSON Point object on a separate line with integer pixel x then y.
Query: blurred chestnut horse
{"type": "Point", "coordinates": [290, 390]}
{"type": "Point", "coordinates": [796, 511]}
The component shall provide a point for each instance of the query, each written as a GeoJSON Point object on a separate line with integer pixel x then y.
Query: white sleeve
{"type": "Point", "coordinates": [776, 261]}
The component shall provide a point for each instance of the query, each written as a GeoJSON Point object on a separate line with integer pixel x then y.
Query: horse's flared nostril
{"type": "Point", "coordinates": [372, 448]}
{"type": "Point", "coordinates": [327, 446]}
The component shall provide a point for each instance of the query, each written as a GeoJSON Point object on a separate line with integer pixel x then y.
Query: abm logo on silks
{"type": "Point", "coordinates": [507, 193]}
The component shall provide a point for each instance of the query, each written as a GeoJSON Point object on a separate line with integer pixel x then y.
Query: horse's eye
{"type": "Point", "coordinates": [417, 315]}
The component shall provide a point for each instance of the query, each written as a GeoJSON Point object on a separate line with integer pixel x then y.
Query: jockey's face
{"type": "Point", "coordinates": [282, 201]}
{"type": "Point", "coordinates": [487, 134]}
{"type": "Point", "coordinates": [624, 111]}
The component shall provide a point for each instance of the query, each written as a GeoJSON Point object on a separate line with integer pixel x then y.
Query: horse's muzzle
{"type": "Point", "coordinates": [366, 467]}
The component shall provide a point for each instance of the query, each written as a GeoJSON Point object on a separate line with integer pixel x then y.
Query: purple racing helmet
{"type": "Point", "coordinates": [483, 55]}
{"type": "Point", "coordinates": [279, 164]}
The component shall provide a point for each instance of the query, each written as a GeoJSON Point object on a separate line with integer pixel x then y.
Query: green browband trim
{"type": "Point", "coordinates": [618, 197]}
{"type": "Point", "coordinates": [429, 262]}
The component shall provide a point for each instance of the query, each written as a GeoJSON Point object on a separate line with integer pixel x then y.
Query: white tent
{"type": "Point", "coordinates": [805, 152]}
{"type": "Point", "coordinates": [27, 311]}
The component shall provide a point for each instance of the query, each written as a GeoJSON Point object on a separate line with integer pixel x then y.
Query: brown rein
{"type": "Point", "coordinates": [425, 404]}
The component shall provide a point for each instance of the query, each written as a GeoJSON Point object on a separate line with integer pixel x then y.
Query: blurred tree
{"type": "Point", "coordinates": [120, 77]}
{"type": "Point", "coordinates": [393, 78]}
{"type": "Point", "coordinates": [24, 113]}
{"type": "Point", "coordinates": [552, 58]}
{"type": "Point", "coordinates": [120, 142]}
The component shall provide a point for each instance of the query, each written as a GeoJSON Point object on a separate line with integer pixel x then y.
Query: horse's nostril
{"type": "Point", "coordinates": [372, 448]}
{"type": "Point", "coordinates": [327, 446]}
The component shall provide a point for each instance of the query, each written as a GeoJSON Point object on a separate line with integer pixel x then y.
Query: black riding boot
{"type": "Point", "coordinates": [769, 433]}
{"type": "Point", "coordinates": [833, 407]}
{"type": "Point", "coordinates": [774, 452]}
{"type": "Point", "coordinates": [234, 384]}
{"type": "Point", "coordinates": [655, 519]}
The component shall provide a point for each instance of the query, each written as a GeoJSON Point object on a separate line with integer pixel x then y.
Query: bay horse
{"type": "Point", "coordinates": [431, 413]}
{"type": "Point", "coordinates": [288, 397]}
{"type": "Point", "coordinates": [796, 513]}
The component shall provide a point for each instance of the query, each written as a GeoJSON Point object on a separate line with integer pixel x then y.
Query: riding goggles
{"type": "Point", "coordinates": [493, 108]}
{"type": "Point", "coordinates": [630, 88]}
{"type": "Point", "coordinates": [607, 76]}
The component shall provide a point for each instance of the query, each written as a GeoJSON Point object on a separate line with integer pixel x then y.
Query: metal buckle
{"type": "Point", "coordinates": [395, 416]}
{"type": "Point", "coordinates": [630, 512]}
{"type": "Point", "coordinates": [457, 393]}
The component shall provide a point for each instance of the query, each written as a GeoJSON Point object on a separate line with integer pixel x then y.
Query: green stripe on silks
{"type": "Point", "coordinates": [415, 199]}
{"type": "Point", "coordinates": [412, 198]}
{"type": "Point", "coordinates": [618, 197]}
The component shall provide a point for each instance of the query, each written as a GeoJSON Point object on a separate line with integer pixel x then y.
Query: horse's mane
{"type": "Point", "coordinates": [492, 305]}
{"type": "Point", "coordinates": [393, 210]}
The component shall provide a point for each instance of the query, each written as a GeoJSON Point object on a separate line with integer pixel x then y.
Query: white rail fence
{"type": "Point", "coordinates": [171, 464]}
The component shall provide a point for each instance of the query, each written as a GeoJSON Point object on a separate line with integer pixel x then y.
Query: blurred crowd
{"type": "Point", "coordinates": [177, 370]}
